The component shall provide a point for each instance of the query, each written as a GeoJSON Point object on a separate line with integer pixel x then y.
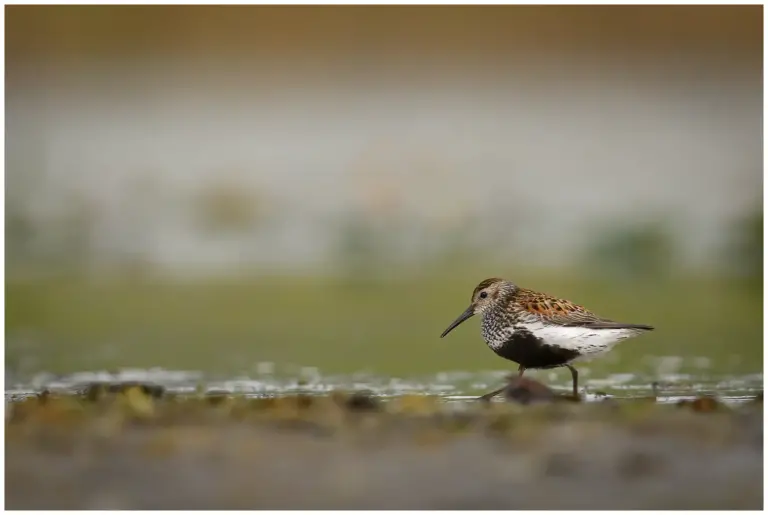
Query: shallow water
{"type": "Point", "coordinates": [451, 386]}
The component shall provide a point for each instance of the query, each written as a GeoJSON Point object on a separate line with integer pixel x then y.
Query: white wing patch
{"type": "Point", "coordinates": [582, 339]}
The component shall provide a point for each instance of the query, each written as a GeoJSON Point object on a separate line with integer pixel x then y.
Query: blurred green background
{"type": "Point", "coordinates": [210, 188]}
{"type": "Point", "coordinates": [384, 318]}
{"type": "Point", "coordinates": [381, 327]}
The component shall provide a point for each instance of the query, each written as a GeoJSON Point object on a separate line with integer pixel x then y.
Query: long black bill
{"type": "Point", "coordinates": [468, 313]}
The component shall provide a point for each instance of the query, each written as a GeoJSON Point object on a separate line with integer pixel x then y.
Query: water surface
{"type": "Point", "coordinates": [450, 385]}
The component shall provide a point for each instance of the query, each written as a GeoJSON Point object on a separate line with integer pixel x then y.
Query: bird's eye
{"type": "Point", "coordinates": [483, 294]}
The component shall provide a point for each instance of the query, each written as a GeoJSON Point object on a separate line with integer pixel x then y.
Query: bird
{"type": "Point", "coordinates": [539, 331]}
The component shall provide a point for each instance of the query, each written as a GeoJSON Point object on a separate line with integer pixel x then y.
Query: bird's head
{"type": "Point", "coordinates": [487, 295]}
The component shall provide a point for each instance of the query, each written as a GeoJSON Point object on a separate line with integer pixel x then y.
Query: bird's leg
{"type": "Point", "coordinates": [575, 376]}
{"type": "Point", "coordinates": [491, 395]}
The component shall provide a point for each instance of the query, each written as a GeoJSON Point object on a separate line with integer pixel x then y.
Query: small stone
{"type": "Point", "coordinates": [362, 401]}
{"type": "Point", "coordinates": [526, 391]}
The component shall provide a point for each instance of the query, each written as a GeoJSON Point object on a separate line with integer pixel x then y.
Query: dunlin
{"type": "Point", "coordinates": [538, 331]}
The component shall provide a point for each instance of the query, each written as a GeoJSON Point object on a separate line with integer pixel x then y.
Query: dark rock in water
{"type": "Point", "coordinates": [216, 397]}
{"type": "Point", "coordinates": [526, 391]}
{"type": "Point", "coordinates": [362, 401]}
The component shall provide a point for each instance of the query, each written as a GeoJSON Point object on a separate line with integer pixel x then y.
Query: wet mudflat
{"type": "Point", "coordinates": [138, 446]}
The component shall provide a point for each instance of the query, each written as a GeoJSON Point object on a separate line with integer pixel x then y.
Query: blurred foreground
{"type": "Point", "coordinates": [141, 448]}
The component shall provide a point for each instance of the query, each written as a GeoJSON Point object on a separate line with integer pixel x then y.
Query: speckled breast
{"type": "Point", "coordinates": [511, 340]}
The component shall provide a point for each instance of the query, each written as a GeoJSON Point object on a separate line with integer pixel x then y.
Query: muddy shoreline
{"type": "Point", "coordinates": [135, 448]}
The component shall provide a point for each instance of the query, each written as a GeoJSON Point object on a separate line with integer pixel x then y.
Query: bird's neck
{"type": "Point", "coordinates": [497, 325]}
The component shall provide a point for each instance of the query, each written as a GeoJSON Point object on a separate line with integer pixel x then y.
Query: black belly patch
{"type": "Point", "coordinates": [531, 352]}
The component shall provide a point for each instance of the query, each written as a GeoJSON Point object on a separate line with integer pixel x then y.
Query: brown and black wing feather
{"type": "Point", "coordinates": [556, 311]}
